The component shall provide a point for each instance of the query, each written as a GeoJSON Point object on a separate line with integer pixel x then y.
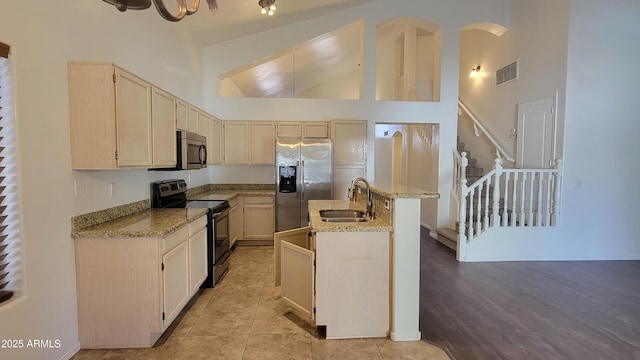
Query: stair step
{"type": "Point", "coordinates": [448, 237]}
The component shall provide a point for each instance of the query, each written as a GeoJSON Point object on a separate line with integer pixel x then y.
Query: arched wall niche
{"type": "Point", "coordinates": [408, 58]}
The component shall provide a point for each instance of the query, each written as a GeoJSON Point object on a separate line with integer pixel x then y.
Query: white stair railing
{"type": "Point", "coordinates": [505, 198]}
{"type": "Point", "coordinates": [500, 151]}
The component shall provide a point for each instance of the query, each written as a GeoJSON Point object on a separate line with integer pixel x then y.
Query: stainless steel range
{"type": "Point", "coordinates": [173, 194]}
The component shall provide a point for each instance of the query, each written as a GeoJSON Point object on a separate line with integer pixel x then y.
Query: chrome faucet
{"type": "Point", "coordinates": [352, 195]}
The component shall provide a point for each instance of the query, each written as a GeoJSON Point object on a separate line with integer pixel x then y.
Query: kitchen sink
{"type": "Point", "coordinates": [342, 215]}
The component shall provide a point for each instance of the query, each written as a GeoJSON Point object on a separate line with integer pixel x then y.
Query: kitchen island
{"type": "Point", "coordinates": [366, 277]}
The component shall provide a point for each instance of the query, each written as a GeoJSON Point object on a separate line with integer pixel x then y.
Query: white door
{"type": "Point", "coordinates": [536, 128]}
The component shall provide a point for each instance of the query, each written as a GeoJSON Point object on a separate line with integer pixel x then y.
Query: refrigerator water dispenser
{"type": "Point", "coordinates": [287, 179]}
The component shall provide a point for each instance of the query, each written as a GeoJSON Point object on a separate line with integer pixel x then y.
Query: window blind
{"type": "Point", "coordinates": [9, 239]}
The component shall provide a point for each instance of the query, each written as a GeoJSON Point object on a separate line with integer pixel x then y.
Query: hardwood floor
{"type": "Point", "coordinates": [529, 310]}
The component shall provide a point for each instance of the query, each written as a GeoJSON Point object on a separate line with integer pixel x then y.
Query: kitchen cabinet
{"type": "Point", "coordinates": [307, 129]}
{"type": "Point", "coordinates": [289, 129]}
{"type": "Point", "coordinates": [131, 289]}
{"type": "Point", "coordinates": [349, 142]}
{"type": "Point", "coordinates": [258, 217]}
{"type": "Point", "coordinates": [215, 142]}
{"type": "Point", "coordinates": [163, 115]}
{"type": "Point", "coordinates": [110, 117]}
{"type": "Point", "coordinates": [315, 129]}
{"type": "Point", "coordinates": [197, 254]}
{"type": "Point", "coordinates": [236, 142]}
{"type": "Point", "coordinates": [262, 143]}
{"type": "Point", "coordinates": [235, 219]}
{"type": "Point", "coordinates": [338, 279]}
{"type": "Point", "coordinates": [349, 154]}
{"type": "Point", "coordinates": [175, 281]}
{"type": "Point", "coordinates": [193, 119]}
{"type": "Point", "coordinates": [249, 143]}
{"type": "Point", "coordinates": [182, 115]}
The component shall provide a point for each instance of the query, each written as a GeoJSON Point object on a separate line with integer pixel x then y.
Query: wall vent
{"type": "Point", "coordinates": [507, 73]}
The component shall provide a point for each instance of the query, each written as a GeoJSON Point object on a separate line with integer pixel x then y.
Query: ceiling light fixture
{"type": "Point", "coordinates": [182, 8]}
{"type": "Point", "coordinates": [475, 71]}
{"type": "Point", "coordinates": [268, 7]}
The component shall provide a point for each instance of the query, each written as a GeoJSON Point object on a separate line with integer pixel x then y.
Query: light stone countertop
{"type": "Point", "coordinates": [146, 223]}
{"type": "Point", "coordinates": [230, 194]}
{"type": "Point", "coordinates": [393, 191]}
{"type": "Point", "coordinates": [377, 224]}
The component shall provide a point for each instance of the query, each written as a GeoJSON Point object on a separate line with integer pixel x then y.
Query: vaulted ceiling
{"type": "Point", "coordinates": [237, 18]}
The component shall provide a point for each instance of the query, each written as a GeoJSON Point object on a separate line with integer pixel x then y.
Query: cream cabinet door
{"type": "Point", "coordinates": [289, 129]}
{"type": "Point", "coordinates": [236, 142]}
{"type": "Point", "coordinates": [258, 221]}
{"type": "Point", "coordinates": [197, 260]}
{"type": "Point", "coordinates": [215, 141]}
{"type": "Point", "coordinates": [204, 124]}
{"type": "Point", "coordinates": [175, 281]}
{"type": "Point", "coordinates": [315, 130]}
{"type": "Point", "coordinates": [182, 115]}
{"type": "Point", "coordinates": [297, 258]}
{"type": "Point", "coordinates": [133, 120]}
{"type": "Point", "coordinates": [193, 120]}
{"type": "Point", "coordinates": [349, 142]}
{"type": "Point", "coordinates": [263, 143]}
{"type": "Point", "coordinates": [343, 175]}
{"type": "Point", "coordinates": [163, 114]}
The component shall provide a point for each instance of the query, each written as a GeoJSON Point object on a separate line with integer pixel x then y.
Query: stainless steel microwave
{"type": "Point", "coordinates": [192, 150]}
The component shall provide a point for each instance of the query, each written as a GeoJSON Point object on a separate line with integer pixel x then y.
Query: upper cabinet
{"type": "Point", "coordinates": [262, 144]}
{"type": "Point", "coordinates": [182, 115]}
{"type": "Point", "coordinates": [193, 119]}
{"type": "Point", "coordinates": [110, 117]}
{"type": "Point", "coordinates": [215, 142]}
{"type": "Point", "coordinates": [163, 114]}
{"type": "Point", "coordinates": [306, 129]}
{"type": "Point", "coordinates": [349, 142]}
{"type": "Point", "coordinates": [249, 143]}
{"type": "Point", "coordinates": [236, 142]}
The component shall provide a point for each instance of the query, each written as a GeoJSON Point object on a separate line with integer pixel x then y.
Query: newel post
{"type": "Point", "coordinates": [557, 185]}
{"type": "Point", "coordinates": [495, 206]}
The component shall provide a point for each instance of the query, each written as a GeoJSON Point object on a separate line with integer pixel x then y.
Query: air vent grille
{"type": "Point", "coordinates": [507, 73]}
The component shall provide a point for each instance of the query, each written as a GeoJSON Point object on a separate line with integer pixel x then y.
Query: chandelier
{"type": "Point", "coordinates": [182, 8]}
{"type": "Point", "coordinates": [268, 6]}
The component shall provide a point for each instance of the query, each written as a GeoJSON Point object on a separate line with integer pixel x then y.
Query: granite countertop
{"type": "Point", "coordinates": [230, 194]}
{"type": "Point", "coordinates": [146, 223]}
{"type": "Point", "coordinates": [377, 224]}
{"type": "Point", "coordinates": [393, 191]}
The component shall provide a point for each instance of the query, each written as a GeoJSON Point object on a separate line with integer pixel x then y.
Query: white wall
{"type": "Point", "coordinates": [600, 199]}
{"type": "Point", "coordinates": [537, 38]}
{"type": "Point", "coordinates": [450, 15]}
{"type": "Point", "coordinates": [44, 35]}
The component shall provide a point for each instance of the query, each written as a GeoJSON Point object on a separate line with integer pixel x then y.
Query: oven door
{"type": "Point", "coordinates": [220, 233]}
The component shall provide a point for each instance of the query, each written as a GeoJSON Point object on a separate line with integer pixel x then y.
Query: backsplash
{"type": "Point", "coordinates": [97, 217]}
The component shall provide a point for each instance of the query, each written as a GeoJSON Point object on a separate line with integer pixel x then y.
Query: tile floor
{"type": "Point", "coordinates": [243, 317]}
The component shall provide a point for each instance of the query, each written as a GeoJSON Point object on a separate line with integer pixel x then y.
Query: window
{"type": "Point", "coordinates": [9, 226]}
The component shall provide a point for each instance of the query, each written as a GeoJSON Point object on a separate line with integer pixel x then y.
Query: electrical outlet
{"type": "Point", "coordinates": [112, 189]}
{"type": "Point", "coordinates": [513, 134]}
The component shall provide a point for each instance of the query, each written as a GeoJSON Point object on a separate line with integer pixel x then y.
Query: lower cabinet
{"type": "Point", "coordinates": [175, 282]}
{"type": "Point", "coordinates": [131, 289]}
{"type": "Point", "coordinates": [338, 279]}
{"type": "Point", "coordinates": [258, 221]}
{"type": "Point", "coordinates": [197, 254]}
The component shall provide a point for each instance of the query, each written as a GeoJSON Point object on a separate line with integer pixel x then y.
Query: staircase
{"type": "Point", "coordinates": [448, 236]}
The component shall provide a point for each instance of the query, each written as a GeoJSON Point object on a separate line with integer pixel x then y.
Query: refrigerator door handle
{"type": "Point", "coordinates": [302, 179]}
{"type": "Point", "coordinates": [298, 174]}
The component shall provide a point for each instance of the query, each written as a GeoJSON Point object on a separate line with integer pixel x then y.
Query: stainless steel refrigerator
{"type": "Point", "coordinates": [303, 173]}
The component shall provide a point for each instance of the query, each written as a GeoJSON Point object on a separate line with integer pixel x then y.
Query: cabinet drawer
{"type": "Point", "coordinates": [197, 224]}
{"type": "Point", "coordinates": [258, 200]}
{"type": "Point", "coordinates": [174, 239]}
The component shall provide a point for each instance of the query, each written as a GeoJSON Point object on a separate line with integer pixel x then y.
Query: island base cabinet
{"type": "Point", "coordinates": [297, 270]}
{"type": "Point", "coordinates": [346, 288]}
